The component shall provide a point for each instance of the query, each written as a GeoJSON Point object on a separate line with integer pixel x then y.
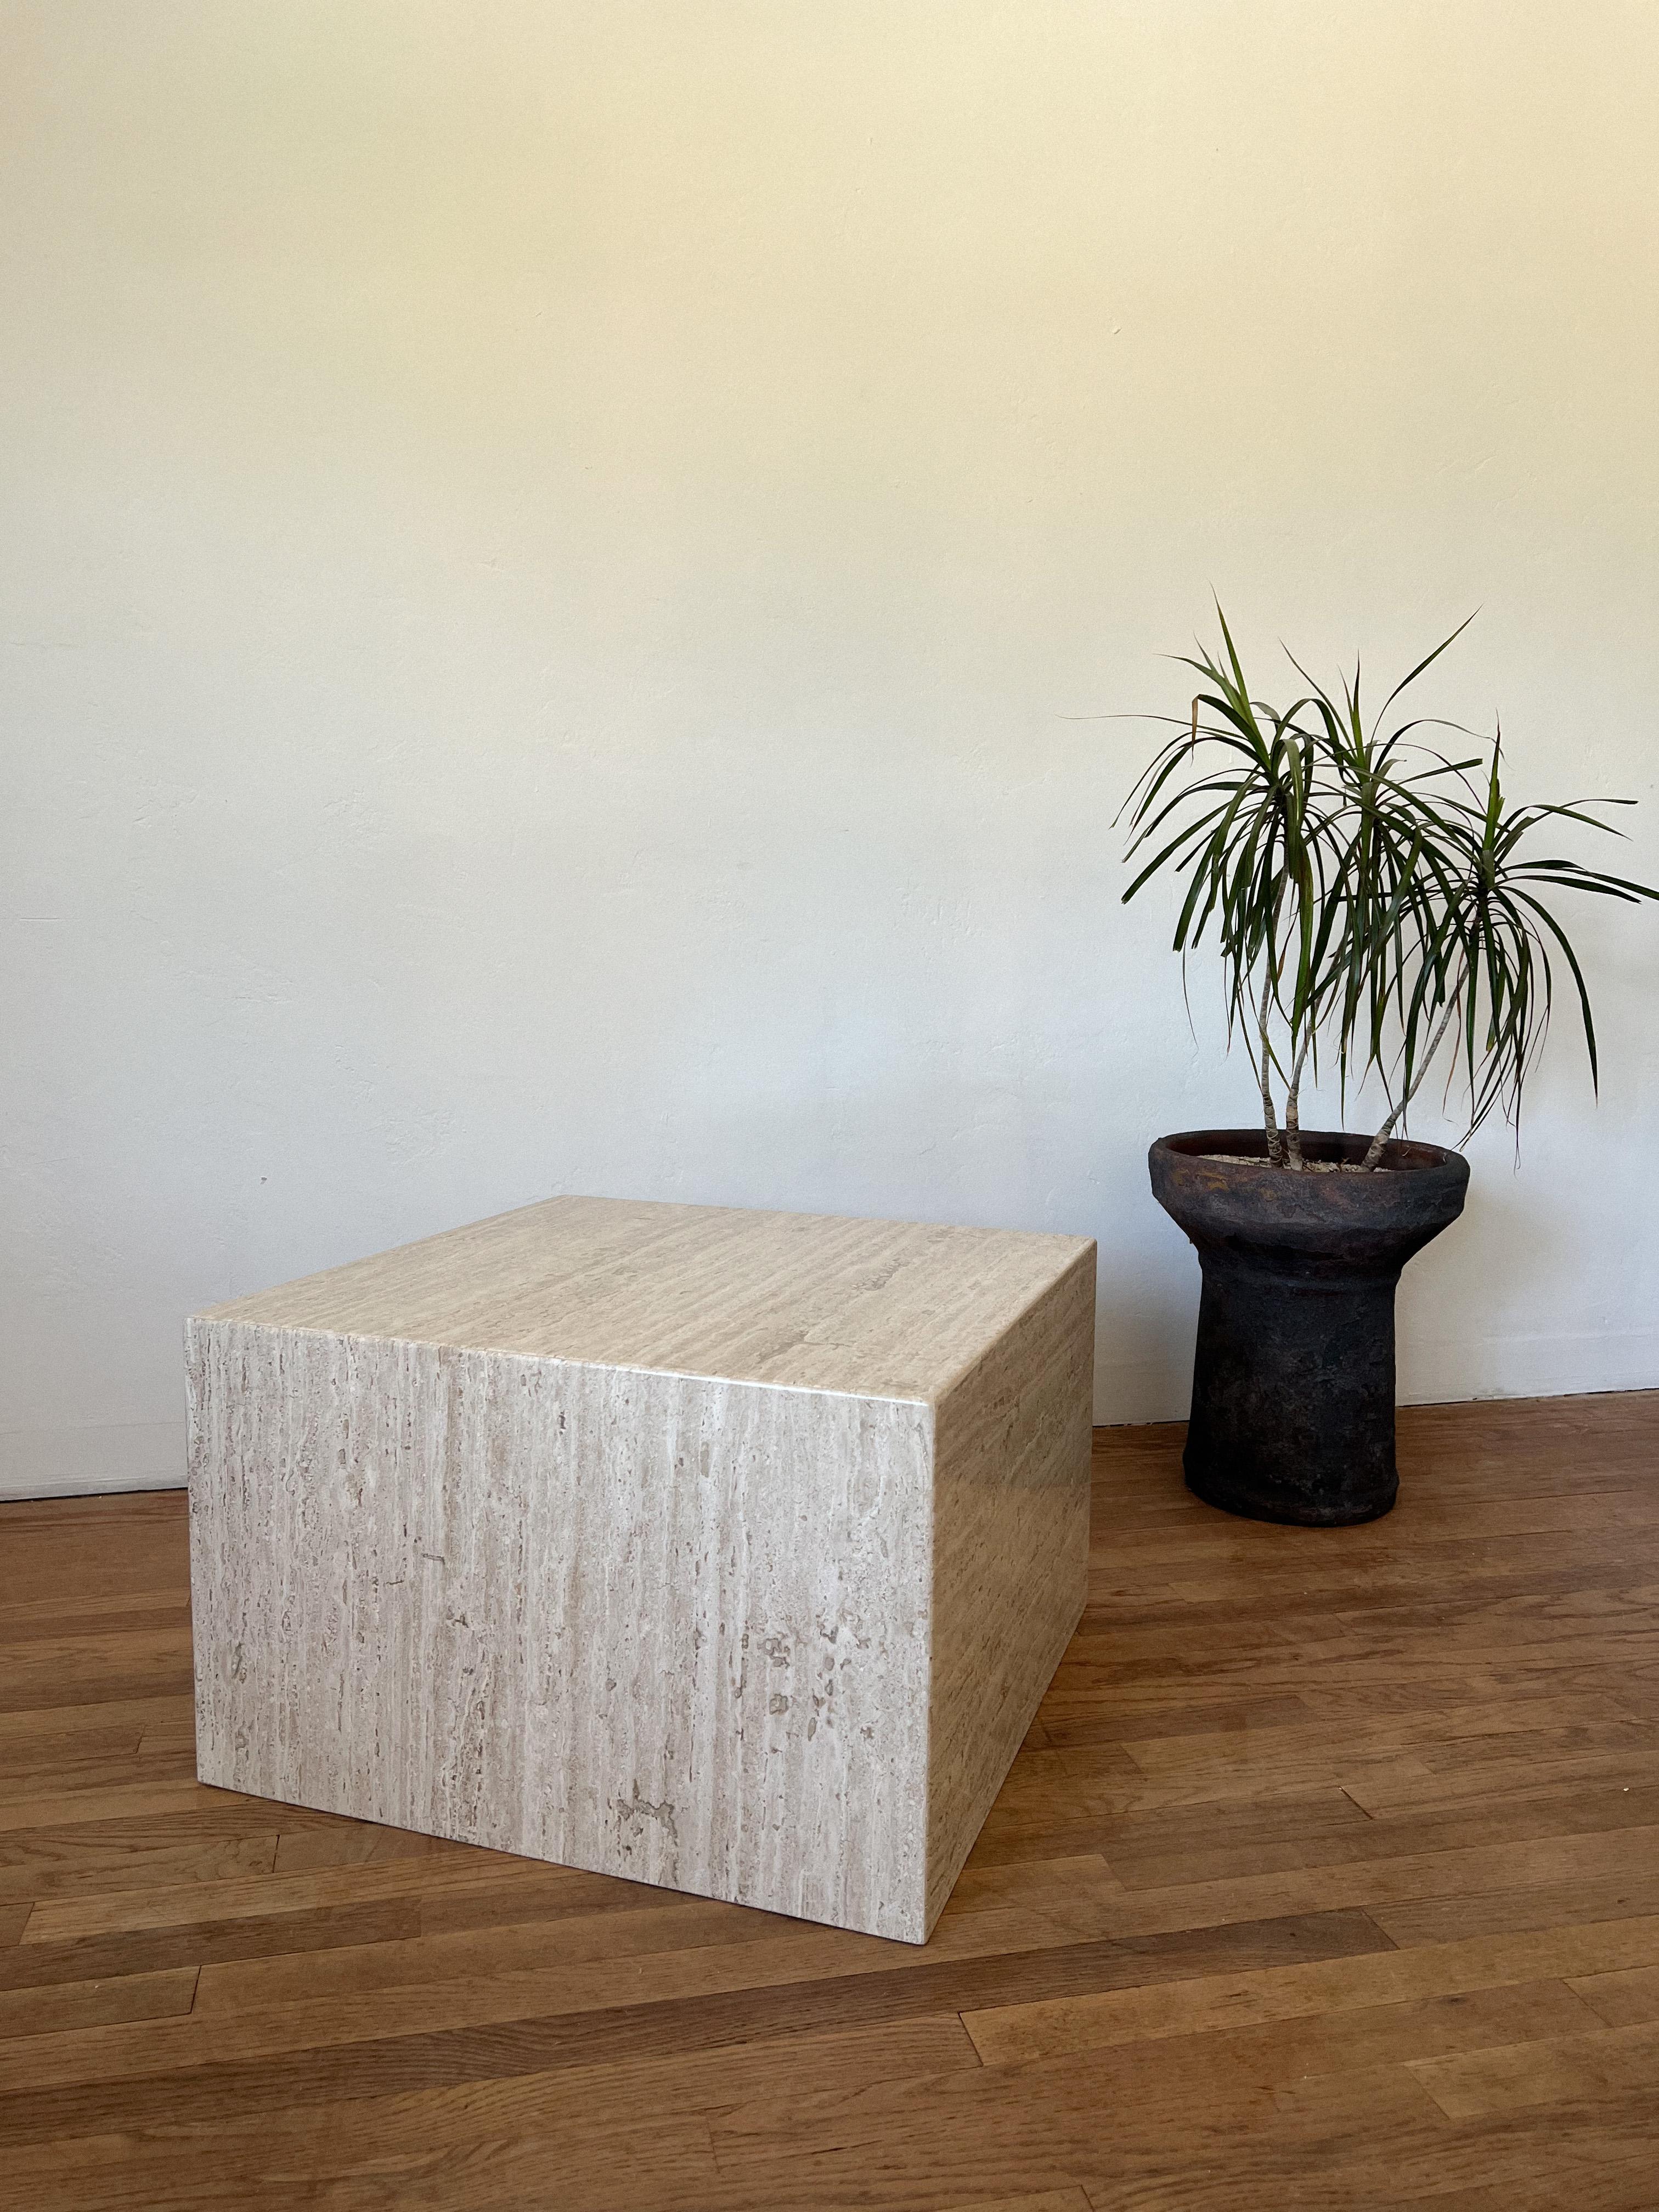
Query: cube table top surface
{"type": "Point", "coordinates": [873, 1308]}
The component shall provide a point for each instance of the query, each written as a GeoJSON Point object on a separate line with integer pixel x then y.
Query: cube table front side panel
{"type": "Point", "coordinates": [651, 1625]}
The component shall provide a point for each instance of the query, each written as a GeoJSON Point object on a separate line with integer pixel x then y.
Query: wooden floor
{"type": "Point", "coordinates": [1329, 1877]}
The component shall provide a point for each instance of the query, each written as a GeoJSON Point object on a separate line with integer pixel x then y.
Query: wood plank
{"type": "Point", "coordinates": [54, 1676]}
{"type": "Point", "coordinates": [1421, 1525]}
{"type": "Point", "coordinates": [177, 1734]}
{"type": "Point", "coordinates": [326, 1842]}
{"type": "Point", "coordinates": [1555, 2071]}
{"type": "Point", "coordinates": [1476, 1741]}
{"type": "Point", "coordinates": [324, 1930]}
{"type": "Point", "coordinates": [88, 1621]}
{"type": "Point", "coordinates": [1025, 1880]}
{"type": "Point", "coordinates": [1014, 2035]}
{"type": "Point", "coordinates": [1130, 1722]}
{"type": "Point", "coordinates": [669, 1930]}
{"type": "Point", "coordinates": [516, 1882]}
{"type": "Point", "coordinates": [1108, 1781]}
{"type": "Point", "coordinates": [134, 1804]}
{"type": "Point", "coordinates": [1624, 1998]}
{"type": "Point", "coordinates": [63, 2007]}
{"type": "Point", "coordinates": [667, 2164]}
{"type": "Point", "coordinates": [1415, 1788]}
{"type": "Point", "coordinates": [160, 2149]}
{"type": "Point", "coordinates": [48, 1733]}
{"type": "Point", "coordinates": [82, 1874]}
{"type": "Point", "coordinates": [1004, 2126]}
{"type": "Point", "coordinates": [1287, 2051]}
{"type": "Point", "coordinates": [1565, 1582]}
{"type": "Point", "coordinates": [1375, 1885]}
{"type": "Point", "coordinates": [1242, 1835]}
{"type": "Point", "coordinates": [1146, 1854]}
{"type": "Point", "coordinates": [1596, 2184]}
{"type": "Point", "coordinates": [1634, 1889]}
{"type": "Point", "coordinates": [1048, 2200]}
{"type": "Point", "coordinates": [81, 1777]}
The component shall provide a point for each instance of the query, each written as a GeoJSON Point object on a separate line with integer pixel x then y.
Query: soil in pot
{"type": "Point", "coordinates": [1293, 1377]}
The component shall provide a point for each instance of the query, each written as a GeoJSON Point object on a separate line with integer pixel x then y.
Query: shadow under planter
{"type": "Point", "coordinates": [1293, 1378]}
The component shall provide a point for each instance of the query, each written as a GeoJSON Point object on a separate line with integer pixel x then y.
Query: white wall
{"type": "Point", "coordinates": [552, 558]}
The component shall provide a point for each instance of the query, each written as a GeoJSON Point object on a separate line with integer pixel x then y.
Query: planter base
{"type": "Point", "coordinates": [1259, 1505]}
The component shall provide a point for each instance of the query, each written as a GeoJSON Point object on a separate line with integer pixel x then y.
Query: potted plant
{"type": "Point", "coordinates": [1378, 903]}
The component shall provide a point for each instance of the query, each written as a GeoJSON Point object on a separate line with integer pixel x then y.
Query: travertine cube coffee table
{"type": "Point", "coordinates": [725, 1550]}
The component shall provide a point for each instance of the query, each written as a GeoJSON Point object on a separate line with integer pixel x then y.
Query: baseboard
{"type": "Point", "coordinates": [82, 1462]}
{"type": "Point", "coordinates": [1438, 1371]}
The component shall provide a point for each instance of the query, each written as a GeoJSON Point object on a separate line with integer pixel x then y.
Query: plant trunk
{"type": "Point", "coordinates": [1275, 1143]}
{"type": "Point", "coordinates": [1293, 1112]}
{"type": "Point", "coordinates": [1374, 1151]}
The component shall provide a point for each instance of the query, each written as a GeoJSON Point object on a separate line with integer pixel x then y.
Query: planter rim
{"type": "Point", "coordinates": [1399, 1154]}
{"type": "Point", "coordinates": [1344, 1221]}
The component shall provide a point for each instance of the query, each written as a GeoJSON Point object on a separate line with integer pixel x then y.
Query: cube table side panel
{"type": "Point", "coordinates": [650, 1625]}
{"type": "Point", "coordinates": [1011, 1558]}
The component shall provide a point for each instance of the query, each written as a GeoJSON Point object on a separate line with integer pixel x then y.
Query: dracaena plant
{"type": "Point", "coordinates": [1372, 896]}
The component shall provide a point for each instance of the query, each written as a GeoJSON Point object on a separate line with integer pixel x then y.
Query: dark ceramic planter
{"type": "Point", "coordinates": [1292, 1415]}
